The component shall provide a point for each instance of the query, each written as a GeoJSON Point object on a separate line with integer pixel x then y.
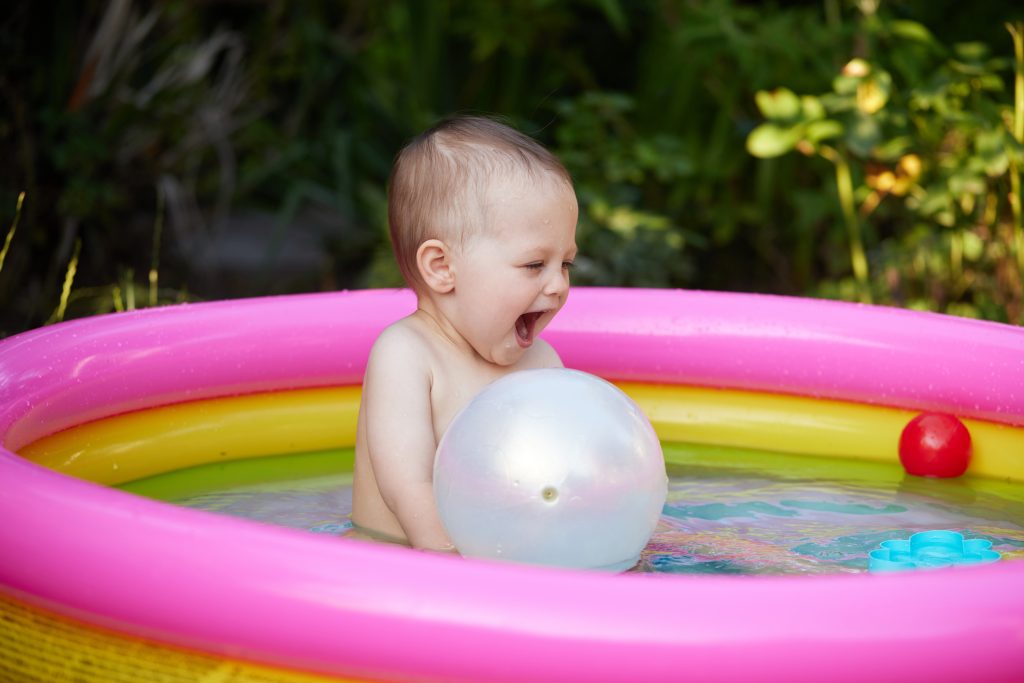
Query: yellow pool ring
{"type": "Point", "coordinates": [133, 446]}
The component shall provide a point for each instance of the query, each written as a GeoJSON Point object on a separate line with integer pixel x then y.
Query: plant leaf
{"type": "Point", "coordinates": [771, 140]}
{"type": "Point", "coordinates": [911, 30]}
{"type": "Point", "coordinates": [780, 104]}
{"type": "Point", "coordinates": [816, 131]}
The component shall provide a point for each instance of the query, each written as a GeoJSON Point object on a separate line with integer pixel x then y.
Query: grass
{"type": "Point", "coordinates": [13, 229]}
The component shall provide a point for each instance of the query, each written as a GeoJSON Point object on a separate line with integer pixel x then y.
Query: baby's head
{"type": "Point", "coordinates": [442, 183]}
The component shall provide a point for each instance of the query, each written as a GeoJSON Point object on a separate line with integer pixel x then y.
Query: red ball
{"type": "Point", "coordinates": [935, 445]}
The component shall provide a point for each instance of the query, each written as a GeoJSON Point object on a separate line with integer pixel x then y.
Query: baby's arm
{"type": "Point", "coordinates": [400, 436]}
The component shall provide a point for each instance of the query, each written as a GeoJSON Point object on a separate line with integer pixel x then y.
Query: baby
{"type": "Point", "coordinates": [483, 225]}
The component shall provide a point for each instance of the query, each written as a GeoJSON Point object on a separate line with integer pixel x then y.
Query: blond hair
{"type": "Point", "coordinates": [440, 180]}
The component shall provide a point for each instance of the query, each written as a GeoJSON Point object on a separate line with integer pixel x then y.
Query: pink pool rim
{"type": "Point", "coordinates": [304, 601]}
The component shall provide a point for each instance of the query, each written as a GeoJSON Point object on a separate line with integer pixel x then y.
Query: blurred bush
{"type": "Point", "coordinates": [189, 150]}
{"type": "Point", "coordinates": [926, 148]}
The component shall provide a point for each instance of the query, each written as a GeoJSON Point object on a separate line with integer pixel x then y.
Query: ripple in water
{"type": "Point", "coordinates": [719, 520]}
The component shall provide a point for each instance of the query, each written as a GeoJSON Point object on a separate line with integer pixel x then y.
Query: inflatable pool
{"type": "Point", "coordinates": [99, 584]}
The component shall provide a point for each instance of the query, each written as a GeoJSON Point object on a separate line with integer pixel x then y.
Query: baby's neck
{"type": "Point", "coordinates": [432, 314]}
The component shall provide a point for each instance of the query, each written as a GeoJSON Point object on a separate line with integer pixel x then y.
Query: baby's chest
{"type": "Point", "coordinates": [452, 390]}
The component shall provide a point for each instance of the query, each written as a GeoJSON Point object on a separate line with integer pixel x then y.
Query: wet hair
{"type": "Point", "coordinates": [440, 180]}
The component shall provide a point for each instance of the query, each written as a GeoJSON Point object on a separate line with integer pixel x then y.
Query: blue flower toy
{"type": "Point", "coordinates": [930, 550]}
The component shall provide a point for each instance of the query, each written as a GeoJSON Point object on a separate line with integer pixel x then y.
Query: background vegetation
{"type": "Point", "coordinates": [169, 151]}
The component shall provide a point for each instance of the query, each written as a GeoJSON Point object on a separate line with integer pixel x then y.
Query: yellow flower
{"type": "Point", "coordinates": [870, 96]}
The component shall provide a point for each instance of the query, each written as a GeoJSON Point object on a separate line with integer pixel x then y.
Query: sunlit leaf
{"type": "Point", "coordinates": [780, 104]}
{"type": "Point", "coordinates": [991, 82]}
{"type": "Point", "coordinates": [771, 140]}
{"type": "Point", "coordinates": [835, 103]}
{"type": "Point", "coordinates": [971, 52]}
{"type": "Point", "coordinates": [812, 108]}
{"type": "Point", "coordinates": [816, 131]}
{"type": "Point", "coordinates": [845, 85]}
{"type": "Point", "coordinates": [967, 181]}
{"type": "Point", "coordinates": [996, 165]}
{"type": "Point", "coordinates": [992, 151]}
{"type": "Point", "coordinates": [911, 30]}
{"type": "Point", "coordinates": [973, 245]}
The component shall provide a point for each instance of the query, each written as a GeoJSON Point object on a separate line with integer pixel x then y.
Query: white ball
{"type": "Point", "coordinates": [553, 467]}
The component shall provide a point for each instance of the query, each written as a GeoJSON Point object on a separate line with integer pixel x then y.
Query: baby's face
{"type": "Point", "coordinates": [512, 276]}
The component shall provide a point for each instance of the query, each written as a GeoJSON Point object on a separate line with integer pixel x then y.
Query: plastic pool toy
{"type": "Point", "coordinates": [935, 445]}
{"type": "Point", "coordinates": [114, 399]}
{"type": "Point", "coordinates": [554, 467]}
{"type": "Point", "coordinates": [931, 550]}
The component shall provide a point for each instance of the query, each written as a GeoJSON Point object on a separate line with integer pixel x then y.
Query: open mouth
{"type": "Point", "coordinates": [525, 326]}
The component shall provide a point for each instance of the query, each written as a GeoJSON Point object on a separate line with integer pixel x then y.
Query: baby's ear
{"type": "Point", "coordinates": [433, 258]}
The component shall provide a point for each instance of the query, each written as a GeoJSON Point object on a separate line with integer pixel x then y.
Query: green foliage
{"type": "Point", "coordinates": [921, 139]}
{"type": "Point", "coordinates": [614, 167]}
{"type": "Point", "coordinates": [173, 141]}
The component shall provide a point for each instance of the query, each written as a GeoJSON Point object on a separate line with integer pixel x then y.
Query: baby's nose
{"type": "Point", "coordinates": [557, 284]}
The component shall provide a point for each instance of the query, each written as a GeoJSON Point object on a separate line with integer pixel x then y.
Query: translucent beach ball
{"type": "Point", "coordinates": [554, 467]}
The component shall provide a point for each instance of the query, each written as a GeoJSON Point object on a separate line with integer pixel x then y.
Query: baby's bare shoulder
{"type": "Point", "coordinates": [402, 345]}
{"type": "Point", "coordinates": [400, 333]}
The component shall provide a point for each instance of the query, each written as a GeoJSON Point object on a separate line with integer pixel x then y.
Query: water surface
{"type": "Point", "coordinates": [728, 511]}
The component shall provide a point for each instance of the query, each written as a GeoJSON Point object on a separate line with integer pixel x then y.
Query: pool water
{"type": "Point", "coordinates": [728, 511]}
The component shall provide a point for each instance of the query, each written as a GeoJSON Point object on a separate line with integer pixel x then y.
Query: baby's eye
{"type": "Point", "coordinates": [568, 265]}
{"type": "Point", "coordinates": [538, 265]}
